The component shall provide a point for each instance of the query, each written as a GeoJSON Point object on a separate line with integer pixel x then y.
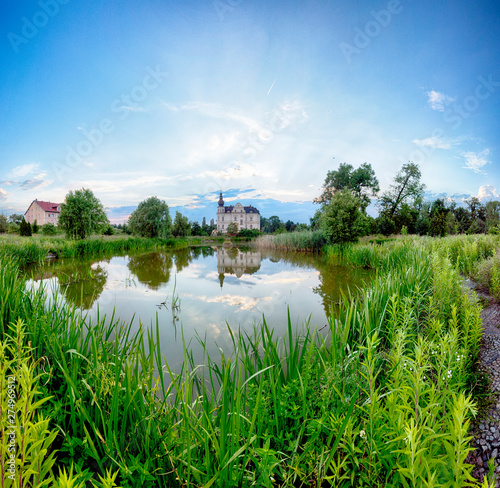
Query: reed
{"type": "Point", "coordinates": [381, 399]}
{"type": "Point", "coordinates": [26, 250]}
{"type": "Point", "coordinates": [292, 241]}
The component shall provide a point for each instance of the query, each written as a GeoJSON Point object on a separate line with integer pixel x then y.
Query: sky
{"type": "Point", "coordinates": [257, 99]}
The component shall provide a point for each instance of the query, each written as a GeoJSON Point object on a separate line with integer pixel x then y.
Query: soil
{"type": "Point", "coordinates": [486, 429]}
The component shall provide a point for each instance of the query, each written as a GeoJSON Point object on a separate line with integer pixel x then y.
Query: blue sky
{"type": "Point", "coordinates": [257, 99]}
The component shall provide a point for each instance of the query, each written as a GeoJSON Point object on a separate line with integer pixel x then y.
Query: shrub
{"type": "Point", "coordinates": [49, 229]}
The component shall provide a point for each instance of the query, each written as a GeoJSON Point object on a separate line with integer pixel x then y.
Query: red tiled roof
{"type": "Point", "coordinates": [48, 206]}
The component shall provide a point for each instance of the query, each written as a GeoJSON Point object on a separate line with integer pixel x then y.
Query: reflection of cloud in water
{"type": "Point", "coordinates": [242, 302]}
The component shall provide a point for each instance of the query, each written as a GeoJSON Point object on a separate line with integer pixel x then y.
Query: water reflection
{"type": "Point", "coordinates": [218, 290]}
{"type": "Point", "coordinates": [235, 261]}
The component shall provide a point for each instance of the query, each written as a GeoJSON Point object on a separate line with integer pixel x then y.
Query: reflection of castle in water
{"type": "Point", "coordinates": [233, 261]}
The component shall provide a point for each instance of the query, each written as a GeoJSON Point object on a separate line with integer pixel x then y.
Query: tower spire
{"type": "Point", "coordinates": [221, 201]}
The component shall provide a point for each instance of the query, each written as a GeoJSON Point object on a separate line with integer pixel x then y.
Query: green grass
{"type": "Point", "coordinates": [292, 241]}
{"type": "Point", "coordinates": [26, 250]}
{"type": "Point", "coordinates": [383, 399]}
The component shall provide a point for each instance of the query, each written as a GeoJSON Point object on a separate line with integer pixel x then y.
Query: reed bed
{"type": "Point", "coordinates": [384, 398]}
{"type": "Point", "coordinates": [292, 241]}
{"type": "Point", "coordinates": [26, 250]}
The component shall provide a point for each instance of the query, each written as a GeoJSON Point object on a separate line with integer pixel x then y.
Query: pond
{"type": "Point", "coordinates": [202, 291]}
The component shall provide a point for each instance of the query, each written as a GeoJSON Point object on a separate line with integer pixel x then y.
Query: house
{"type": "Point", "coordinates": [244, 217]}
{"type": "Point", "coordinates": [43, 212]}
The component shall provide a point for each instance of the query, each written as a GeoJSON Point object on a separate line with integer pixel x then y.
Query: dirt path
{"type": "Point", "coordinates": [487, 431]}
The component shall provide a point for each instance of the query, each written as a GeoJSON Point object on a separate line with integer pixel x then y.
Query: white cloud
{"type": "Point", "coordinates": [475, 161]}
{"type": "Point", "coordinates": [437, 100]}
{"type": "Point", "coordinates": [3, 195]}
{"type": "Point", "coordinates": [436, 142]}
{"type": "Point", "coordinates": [487, 192]}
{"type": "Point", "coordinates": [23, 170]}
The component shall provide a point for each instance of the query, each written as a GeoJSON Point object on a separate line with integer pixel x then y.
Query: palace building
{"type": "Point", "coordinates": [244, 217]}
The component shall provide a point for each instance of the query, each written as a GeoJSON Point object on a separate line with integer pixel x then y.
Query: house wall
{"type": "Point", "coordinates": [35, 212]}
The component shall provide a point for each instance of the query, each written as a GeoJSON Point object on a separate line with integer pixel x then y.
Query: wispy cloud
{"type": "Point", "coordinates": [437, 142]}
{"type": "Point", "coordinates": [437, 100]}
{"type": "Point", "coordinates": [3, 195]}
{"type": "Point", "coordinates": [475, 161]}
{"type": "Point", "coordinates": [23, 170]}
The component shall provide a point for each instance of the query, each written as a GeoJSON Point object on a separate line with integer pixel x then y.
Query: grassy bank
{"type": "Point", "coordinates": [384, 399]}
{"type": "Point", "coordinates": [292, 241]}
{"type": "Point", "coordinates": [26, 250]}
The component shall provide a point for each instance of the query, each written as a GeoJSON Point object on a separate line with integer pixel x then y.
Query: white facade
{"type": "Point", "coordinates": [247, 217]}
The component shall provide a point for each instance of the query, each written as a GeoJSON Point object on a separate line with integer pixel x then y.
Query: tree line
{"type": "Point", "coordinates": [342, 215]}
{"type": "Point", "coordinates": [347, 193]}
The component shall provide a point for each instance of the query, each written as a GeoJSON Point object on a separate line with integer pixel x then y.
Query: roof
{"type": "Point", "coordinates": [48, 206]}
{"type": "Point", "coordinates": [248, 209]}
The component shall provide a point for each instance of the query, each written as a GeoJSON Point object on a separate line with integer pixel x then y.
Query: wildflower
{"type": "Point", "coordinates": [362, 434]}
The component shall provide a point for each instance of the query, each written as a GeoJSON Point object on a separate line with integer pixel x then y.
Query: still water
{"type": "Point", "coordinates": [202, 291]}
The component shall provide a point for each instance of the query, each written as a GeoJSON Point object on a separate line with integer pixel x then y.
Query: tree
{"type": "Point", "coordinates": [81, 214]}
{"type": "Point", "coordinates": [270, 225]}
{"type": "Point", "coordinates": [343, 219]}
{"type": "Point", "coordinates": [477, 216]}
{"type": "Point", "coordinates": [35, 227]}
{"type": "Point", "coordinates": [406, 189]}
{"type": "Point", "coordinates": [15, 218]}
{"type": "Point", "coordinates": [25, 228]}
{"type": "Point", "coordinates": [362, 182]}
{"type": "Point", "coordinates": [195, 229]}
{"type": "Point", "coordinates": [151, 218]}
{"type": "Point", "coordinates": [232, 229]}
{"type": "Point", "coordinates": [3, 224]}
{"type": "Point", "coordinates": [492, 210]}
{"type": "Point", "coordinates": [181, 227]}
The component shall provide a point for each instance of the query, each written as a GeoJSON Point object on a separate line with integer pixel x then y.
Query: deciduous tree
{"type": "Point", "coordinates": [181, 225]}
{"type": "Point", "coordinates": [81, 214]}
{"type": "Point", "coordinates": [362, 182]}
{"type": "Point", "coordinates": [151, 218]}
{"type": "Point", "coordinates": [406, 189]}
{"type": "Point", "coordinates": [343, 219]}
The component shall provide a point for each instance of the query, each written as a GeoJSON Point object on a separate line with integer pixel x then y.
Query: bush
{"type": "Point", "coordinates": [249, 233]}
{"type": "Point", "coordinates": [13, 228]}
{"type": "Point", "coordinates": [49, 230]}
{"type": "Point", "coordinates": [35, 227]}
{"type": "Point", "coordinates": [109, 230]}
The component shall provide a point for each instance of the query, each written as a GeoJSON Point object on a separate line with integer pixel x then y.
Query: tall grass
{"type": "Point", "coordinates": [292, 241]}
{"type": "Point", "coordinates": [381, 399]}
{"type": "Point", "coordinates": [29, 250]}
